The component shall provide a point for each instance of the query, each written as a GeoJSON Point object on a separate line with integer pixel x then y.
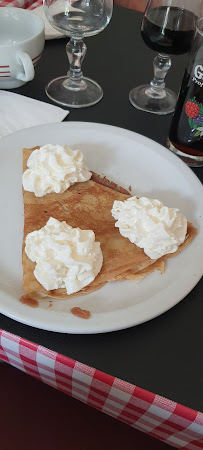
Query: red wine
{"type": "Point", "coordinates": [169, 30]}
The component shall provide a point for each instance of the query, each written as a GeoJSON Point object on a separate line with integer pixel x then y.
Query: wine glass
{"type": "Point", "coordinates": [167, 27]}
{"type": "Point", "coordinates": [76, 19]}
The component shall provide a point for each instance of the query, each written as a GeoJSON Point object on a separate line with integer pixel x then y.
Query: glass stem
{"type": "Point", "coordinates": [162, 64]}
{"type": "Point", "coordinates": [76, 50]}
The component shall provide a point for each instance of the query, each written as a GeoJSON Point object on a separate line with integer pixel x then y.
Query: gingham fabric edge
{"type": "Point", "coordinates": [172, 423]}
{"type": "Point", "coordinates": [25, 4]}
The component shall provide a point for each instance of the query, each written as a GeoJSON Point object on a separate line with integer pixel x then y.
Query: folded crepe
{"type": "Point", "coordinates": [88, 206]}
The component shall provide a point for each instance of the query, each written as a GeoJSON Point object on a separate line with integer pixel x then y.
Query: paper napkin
{"type": "Point", "coordinates": [18, 112]}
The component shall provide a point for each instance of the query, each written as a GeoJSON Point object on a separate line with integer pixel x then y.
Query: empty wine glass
{"type": "Point", "coordinates": [167, 27]}
{"type": "Point", "coordinates": [76, 19]}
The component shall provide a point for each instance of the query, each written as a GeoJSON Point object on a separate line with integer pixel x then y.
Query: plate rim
{"type": "Point", "coordinates": [156, 147]}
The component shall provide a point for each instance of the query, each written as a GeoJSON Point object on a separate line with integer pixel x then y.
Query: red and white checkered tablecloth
{"type": "Point", "coordinates": [172, 423]}
{"type": "Point", "coordinates": [26, 4]}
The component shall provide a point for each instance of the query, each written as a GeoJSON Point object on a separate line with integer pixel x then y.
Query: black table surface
{"type": "Point", "coordinates": [162, 355]}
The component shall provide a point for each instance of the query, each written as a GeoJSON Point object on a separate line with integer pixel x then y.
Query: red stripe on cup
{"type": "Point", "coordinates": [5, 76]}
{"type": "Point", "coordinates": [4, 67]}
{"type": "Point", "coordinates": [36, 57]}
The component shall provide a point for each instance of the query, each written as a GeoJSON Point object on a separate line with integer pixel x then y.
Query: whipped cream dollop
{"type": "Point", "coordinates": [54, 168]}
{"type": "Point", "coordinates": [65, 257]}
{"type": "Point", "coordinates": [150, 225]}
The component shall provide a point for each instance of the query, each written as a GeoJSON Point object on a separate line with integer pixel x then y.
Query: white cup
{"type": "Point", "coordinates": [21, 45]}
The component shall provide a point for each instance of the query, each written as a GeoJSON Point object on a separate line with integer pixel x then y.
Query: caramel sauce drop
{"type": "Point", "coordinates": [82, 313]}
{"type": "Point", "coordinates": [29, 301]}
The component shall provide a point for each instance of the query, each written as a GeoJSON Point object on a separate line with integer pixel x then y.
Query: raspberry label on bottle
{"type": "Point", "coordinates": [194, 112]}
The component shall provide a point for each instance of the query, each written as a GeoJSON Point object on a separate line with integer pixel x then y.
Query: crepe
{"type": "Point", "coordinates": [88, 206]}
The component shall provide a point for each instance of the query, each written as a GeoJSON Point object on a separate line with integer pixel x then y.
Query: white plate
{"type": "Point", "coordinates": [129, 159]}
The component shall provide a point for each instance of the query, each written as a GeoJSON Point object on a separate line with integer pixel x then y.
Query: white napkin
{"type": "Point", "coordinates": [50, 32]}
{"type": "Point", "coordinates": [18, 112]}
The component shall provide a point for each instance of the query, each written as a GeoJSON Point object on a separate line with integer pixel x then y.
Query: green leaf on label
{"type": "Point", "coordinates": [193, 124]}
{"type": "Point", "coordinates": [197, 133]}
{"type": "Point", "coordinates": [201, 108]}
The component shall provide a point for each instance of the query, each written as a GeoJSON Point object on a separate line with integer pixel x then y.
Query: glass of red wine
{"type": "Point", "coordinates": [167, 27]}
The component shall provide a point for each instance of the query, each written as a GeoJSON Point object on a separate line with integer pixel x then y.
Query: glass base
{"type": "Point", "coordinates": [63, 91]}
{"type": "Point", "coordinates": [190, 160]}
{"type": "Point", "coordinates": [146, 99]}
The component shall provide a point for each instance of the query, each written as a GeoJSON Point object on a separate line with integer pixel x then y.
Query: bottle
{"type": "Point", "coordinates": [186, 131]}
